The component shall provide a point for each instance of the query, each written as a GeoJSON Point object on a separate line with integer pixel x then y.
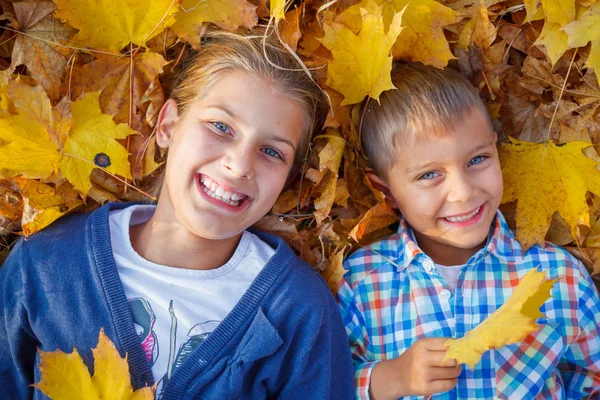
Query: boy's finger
{"type": "Point", "coordinates": [442, 373]}
{"type": "Point", "coordinates": [442, 385]}
{"type": "Point", "coordinates": [451, 362]}
{"type": "Point", "coordinates": [435, 344]}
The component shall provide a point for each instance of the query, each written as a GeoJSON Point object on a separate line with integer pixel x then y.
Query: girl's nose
{"type": "Point", "coordinates": [239, 161]}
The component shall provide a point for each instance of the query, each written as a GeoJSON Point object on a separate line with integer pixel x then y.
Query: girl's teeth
{"type": "Point", "coordinates": [463, 218]}
{"type": "Point", "coordinates": [217, 192]}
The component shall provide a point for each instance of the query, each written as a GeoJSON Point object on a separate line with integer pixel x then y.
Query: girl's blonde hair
{"type": "Point", "coordinates": [262, 57]}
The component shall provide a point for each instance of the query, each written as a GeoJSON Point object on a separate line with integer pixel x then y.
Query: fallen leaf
{"type": "Point", "coordinates": [511, 323]}
{"type": "Point", "coordinates": [64, 376]}
{"type": "Point", "coordinates": [228, 15]}
{"type": "Point", "coordinates": [113, 24]}
{"type": "Point", "coordinates": [277, 9]}
{"type": "Point", "coordinates": [92, 144]}
{"type": "Point", "coordinates": [378, 217]}
{"type": "Point", "coordinates": [335, 271]}
{"type": "Point", "coordinates": [289, 30]}
{"type": "Point", "coordinates": [546, 178]}
{"type": "Point", "coordinates": [42, 204]}
{"type": "Point", "coordinates": [587, 29]}
{"type": "Point", "coordinates": [39, 44]}
{"type": "Point", "coordinates": [361, 63]}
{"type": "Point", "coordinates": [422, 37]}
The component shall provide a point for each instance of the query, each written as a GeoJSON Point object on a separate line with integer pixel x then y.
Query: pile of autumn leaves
{"type": "Point", "coordinates": [83, 82]}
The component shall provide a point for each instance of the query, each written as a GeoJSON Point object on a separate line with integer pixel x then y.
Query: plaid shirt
{"type": "Point", "coordinates": [392, 295]}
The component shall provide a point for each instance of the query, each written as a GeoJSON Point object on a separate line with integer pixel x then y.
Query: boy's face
{"type": "Point", "coordinates": [449, 188]}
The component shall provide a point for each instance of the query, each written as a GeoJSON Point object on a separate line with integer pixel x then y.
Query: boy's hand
{"type": "Point", "coordinates": [417, 372]}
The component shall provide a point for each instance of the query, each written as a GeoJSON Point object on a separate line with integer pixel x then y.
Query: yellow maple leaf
{"type": "Point", "coordinates": [228, 15]}
{"type": "Point", "coordinates": [559, 11]}
{"type": "Point", "coordinates": [64, 376]}
{"type": "Point", "coordinates": [555, 39]}
{"type": "Point", "coordinates": [422, 37]}
{"type": "Point", "coordinates": [361, 63]}
{"type": "Point", "coordinates": [42, 204]}
{"type": "Point", "coordinates": [277, 9]}
{"type": "Point", "coordinates": [546, 178]}
{"type": "Point", "coordinates": [584, 30]}
{"type": "Point", "coordinates": [511, 323]}
{"type": "Point", "coordinates": [31, 151]}
{"type": "Point", "coordinates": [113, 24]}
{"type": "Point", "coordinates": [92, 143]}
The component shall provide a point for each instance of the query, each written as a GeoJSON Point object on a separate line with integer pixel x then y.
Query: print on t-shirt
{"type": "Point", "coordinates": [143, 318]}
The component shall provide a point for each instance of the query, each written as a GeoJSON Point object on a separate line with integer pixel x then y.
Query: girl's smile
{"type": "Point", "coordinates": [227, 197]}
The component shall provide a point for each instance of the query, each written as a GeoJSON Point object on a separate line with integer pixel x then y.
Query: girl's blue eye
{"type": "Point", "coordinates": [427, 175]}
{"type": "Point", "coordinates": [477, 160]}
{"type": "Point", "coordinates": [272, 153]}
{"type": "Point", "coordinates": [221, 126]}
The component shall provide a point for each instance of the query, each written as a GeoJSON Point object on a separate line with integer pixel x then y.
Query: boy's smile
{"type": "Point", "coordinates": [448, 187]}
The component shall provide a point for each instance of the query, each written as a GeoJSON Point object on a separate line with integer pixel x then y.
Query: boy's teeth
{"type": "Point", "coordinates": [219, 191]}
{"type": "Point", "coordinates": [464, 218]}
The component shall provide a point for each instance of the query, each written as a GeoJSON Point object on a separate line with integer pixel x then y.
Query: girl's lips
{"type": "Point", "coordinates": [225, 206]}
{"type": "Point", "coordinates": [471, 221]}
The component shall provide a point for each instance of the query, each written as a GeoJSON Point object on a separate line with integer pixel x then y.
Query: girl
{"type": "Point", "coordinates": [201, 306]}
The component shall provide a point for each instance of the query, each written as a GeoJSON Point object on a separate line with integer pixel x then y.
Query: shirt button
{"type": "Point", "coordinates": [445, 294]}
{"type": "Point", "coordinates": [427, 265]}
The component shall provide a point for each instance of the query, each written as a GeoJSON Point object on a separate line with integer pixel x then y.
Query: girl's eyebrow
{"type": "Point", "coordinates": [283, 140]}
{"type": "Point", "coordinates": [226, 111]}
{"type": "Point", "coordinates": [235, 117]}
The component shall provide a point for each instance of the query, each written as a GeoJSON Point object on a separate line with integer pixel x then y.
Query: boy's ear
{"type": "Point", "coordinates": [381, 185]}
{"type": "Point", "coordinates": [165, 126]}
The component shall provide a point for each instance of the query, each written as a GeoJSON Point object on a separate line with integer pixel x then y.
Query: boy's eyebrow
{"type": "Point", "coordinates": [475, 150]}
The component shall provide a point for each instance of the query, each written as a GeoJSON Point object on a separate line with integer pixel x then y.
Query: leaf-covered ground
{"type": "Point", "coordinates": [83, 81]}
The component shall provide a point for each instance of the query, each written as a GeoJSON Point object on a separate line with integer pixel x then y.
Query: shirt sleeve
{"type": "Point", "coordinates": [580, 365]}
{"type": "Point", "coordinates": [17, 343]}
{"type": "Point", "coordinates": [362, 358]}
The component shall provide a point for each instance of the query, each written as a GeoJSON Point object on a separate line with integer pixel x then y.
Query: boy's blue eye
{"type": "Point", "coordinates": [427, 175]}
{"type": "Point", "coordinates": [221, 126]}
{"type": "Point", "coordinates": [477, 160]}
{"type": "Point", "coordinates": [272, 153]}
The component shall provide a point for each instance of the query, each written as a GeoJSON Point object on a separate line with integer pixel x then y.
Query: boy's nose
{"type": "Point", "coordinates": [238, 161]}
{"type": "Point", "coordinates": [461, 189]}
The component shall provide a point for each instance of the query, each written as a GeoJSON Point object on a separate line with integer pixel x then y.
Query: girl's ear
{"type": "Point", "coordinates": [165, 126]}
{"type": "Point", "coordinates": [381, 185]}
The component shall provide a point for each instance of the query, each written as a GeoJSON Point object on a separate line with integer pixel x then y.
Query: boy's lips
{"type": "Point", "coordinates": [222, 195]}
{"type": "Point", "coordinates": [467, 218]}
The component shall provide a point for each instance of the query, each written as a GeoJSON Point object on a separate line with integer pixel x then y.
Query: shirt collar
{"type": "Point", "coordinates": [501, 243]}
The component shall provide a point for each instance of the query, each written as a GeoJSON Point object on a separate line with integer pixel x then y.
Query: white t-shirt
{"type": "Point", "coordinates": [175, 309]}
{"type": "Point", "coordinates": [449, 273]}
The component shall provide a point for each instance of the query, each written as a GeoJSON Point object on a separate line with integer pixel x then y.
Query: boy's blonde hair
{"type": "Point", "coordinates": [427, 101]}
{"type": "Point", "coordinates": [263, 58]}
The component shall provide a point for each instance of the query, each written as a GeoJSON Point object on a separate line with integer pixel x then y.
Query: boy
{"type": "Point", "coordinates": [454, 260]}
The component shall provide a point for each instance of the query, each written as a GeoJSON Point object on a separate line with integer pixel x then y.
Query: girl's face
{"type": "Point", "coordinates": [229, 155]}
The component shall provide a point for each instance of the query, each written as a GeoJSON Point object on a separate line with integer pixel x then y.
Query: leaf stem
{"type": "Point", "coordinates": [560, 95]}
